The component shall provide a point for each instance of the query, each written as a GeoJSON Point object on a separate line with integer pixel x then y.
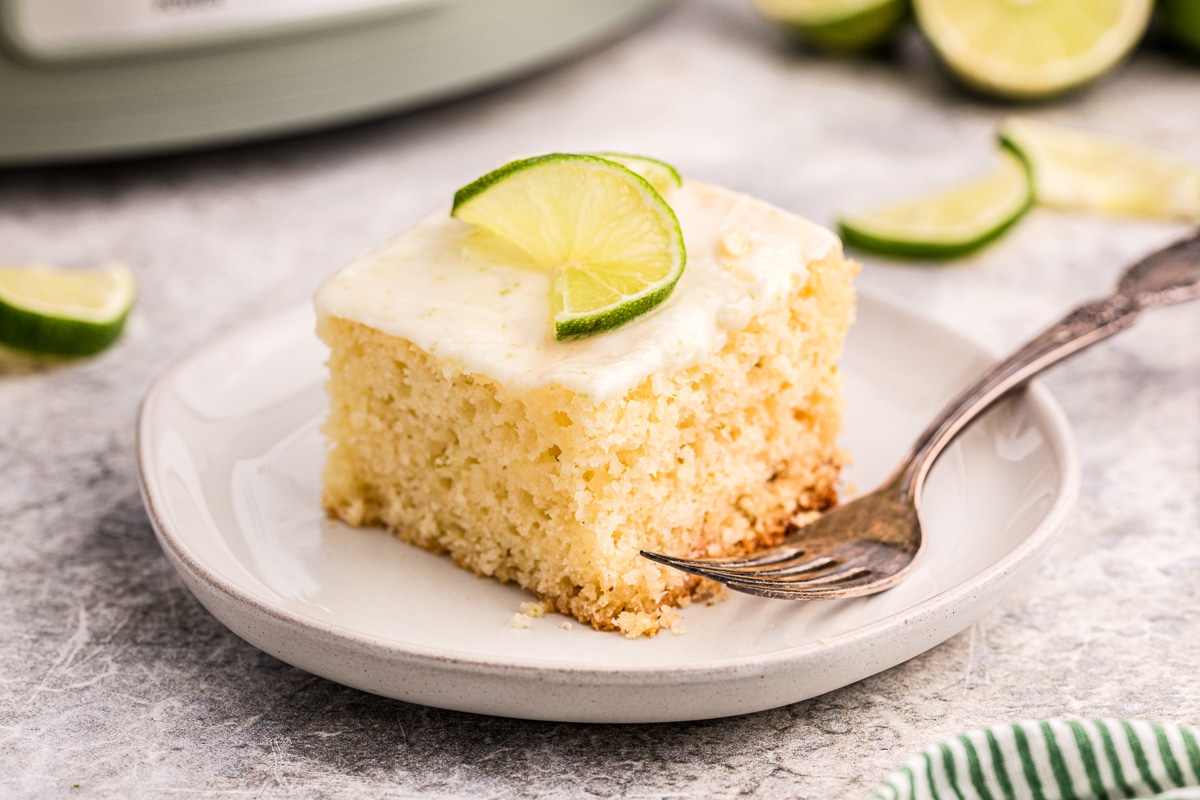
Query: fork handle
{"type": "Point", "coordinates": [1086, 325]}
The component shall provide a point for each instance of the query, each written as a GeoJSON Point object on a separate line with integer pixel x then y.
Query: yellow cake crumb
{"type": "Point", "coordinates": [534, 609]}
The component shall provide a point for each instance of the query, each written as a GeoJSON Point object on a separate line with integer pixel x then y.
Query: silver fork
{"type": "Point", "coordinates": [871, 543]}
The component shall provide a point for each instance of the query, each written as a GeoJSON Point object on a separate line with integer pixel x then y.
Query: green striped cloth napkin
{"type": "Point", "coordinates": [1093, 759]}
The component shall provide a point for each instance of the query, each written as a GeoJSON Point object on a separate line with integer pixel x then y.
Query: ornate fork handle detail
{"type": "Point", "coordinates": [1170, 275]}
{"type": "Point", "coordinates": [1086, 325]}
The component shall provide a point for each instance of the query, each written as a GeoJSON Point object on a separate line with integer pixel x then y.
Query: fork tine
{"type": "Point", "coordinates": [791, 591]}
{"type": "Point", "coordinates": [826, 586]}
{"type": "Point", "coordinates": [836, 573]}
{"type": "Point", "coordinates": [784, 553]}
{"type": "Point", "coordinates": [831, 572]}
{"type": "Point", "coordinates": [799, 566]}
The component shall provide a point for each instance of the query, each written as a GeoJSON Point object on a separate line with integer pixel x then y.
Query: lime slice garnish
{"type": "Point", "coordinates": [1032, 48]}
{"type": "Point", "coordinates": [1078, 171]}
{"type": "Point", "coordinates": [838, 25]}
{"type": "Point", "coordinates": [611, 241]}
{"type": "Point", "coordinates": [64, 312]}
{"type": "Point", "coordinates": [659, 174]}
{"type": "Point", "coordinates": [950, 222]}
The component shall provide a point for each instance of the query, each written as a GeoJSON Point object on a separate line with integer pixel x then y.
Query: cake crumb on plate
{"type": "Point", "coordinates": [537, 609]}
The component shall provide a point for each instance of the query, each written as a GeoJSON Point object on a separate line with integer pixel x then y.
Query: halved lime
{"type": "Point", "coordinates": [659, 174]}
{"type": "Point", "coordinates": [838, 25]}
{"type": "Point", "coordinates": [950, 222]}
{"type": "Point", "coordinates": [1076, 170]}
{"type": "Point", "coordinates": [64, 312]}
{"type": "Point", "coordinates": [612, 242]}
{"type": "Point", "coordinates": [1032, 48]}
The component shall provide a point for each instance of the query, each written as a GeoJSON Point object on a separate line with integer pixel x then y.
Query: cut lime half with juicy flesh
{"type": "Point", "coordinates": [1032, 48]}
{"type": "Point", "coordinates": [64, 312]}
{"type": "Point", "coordinates": [611, 242]}
{"type": "Point", "coordinates": [947, 223]}
{"type": "Point", "coordinates": [1076, 170]}
{"type": "Point", "coordinates": [838, 25]}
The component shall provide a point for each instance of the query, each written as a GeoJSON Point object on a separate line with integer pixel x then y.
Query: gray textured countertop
{"type": "Point", "coordinates": [113, 679]}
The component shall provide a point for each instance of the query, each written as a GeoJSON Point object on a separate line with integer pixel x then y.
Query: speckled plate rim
{"type": "Point", "coordinates": [926, 622]}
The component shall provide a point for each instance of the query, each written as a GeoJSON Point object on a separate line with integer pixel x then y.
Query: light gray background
{"type": "Point", "coordinates": [113, 678]}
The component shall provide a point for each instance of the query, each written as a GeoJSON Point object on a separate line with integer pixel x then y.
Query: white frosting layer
{"type": "Point", "coordinates": [437, 288]}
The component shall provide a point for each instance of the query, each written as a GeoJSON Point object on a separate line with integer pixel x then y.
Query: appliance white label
{"type": "Point", "coordinates": [51, 28]}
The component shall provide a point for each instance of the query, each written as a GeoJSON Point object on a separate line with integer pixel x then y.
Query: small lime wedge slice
{"type": "Point", "coordinates": [1032, 48]}
{"type": "Point", "coordinates": [64, 312]}
{"type": "Point", "coordinates": [1079, 171]}
{"type": "Point", "coordinates": [659, 174]}
{"type": "Point", "coordinates": [612, 243]}
{"type": "Point", "coordinates": [949, 223]}
{"type": "Point", "coordinates": [842, 26]}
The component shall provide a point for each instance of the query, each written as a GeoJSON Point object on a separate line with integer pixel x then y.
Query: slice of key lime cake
{"type": "Point", "coordinates": [546, 383]}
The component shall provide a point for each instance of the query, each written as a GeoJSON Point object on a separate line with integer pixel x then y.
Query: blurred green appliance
{"type": "Point", "coordinates": [86, 79]}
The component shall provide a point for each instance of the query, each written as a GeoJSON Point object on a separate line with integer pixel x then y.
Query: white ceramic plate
{"type": "Point", "coordinates": [230, 453]}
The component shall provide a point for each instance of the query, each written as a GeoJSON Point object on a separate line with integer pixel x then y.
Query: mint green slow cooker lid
{"type": "Point", "coordinates": [124, 82]}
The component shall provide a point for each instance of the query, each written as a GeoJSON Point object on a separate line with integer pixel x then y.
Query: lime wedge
{"type": "Point", "coordinates": [838, 25]}
{"type": "Point", "coordinates": [64, 312]}
{"type": "Point", "coordinates": [611, 241]}
{"type": "Point", "coordinates": [1180, 20]}
{"type": "Point", "coordinates": [1032, 48]}
{"type": "Point", "coordinates": [659, 174]}
{"type": "Point", "coordinates": [1079, 171]}
{"type": "Point", "coordinates": [950, 222]}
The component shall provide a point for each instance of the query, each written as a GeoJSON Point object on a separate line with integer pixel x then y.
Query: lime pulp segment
{"type": "Point", "coordinates": [948, 223]}
{"type": "Point", "coordinates": [612, 244]}
{"type": "Point", "coordinates": [1076, 170]}
{"type": "Point", "coordinates": [64, 312]}
{"type": "Point", "coordinates": [1032, 48]}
